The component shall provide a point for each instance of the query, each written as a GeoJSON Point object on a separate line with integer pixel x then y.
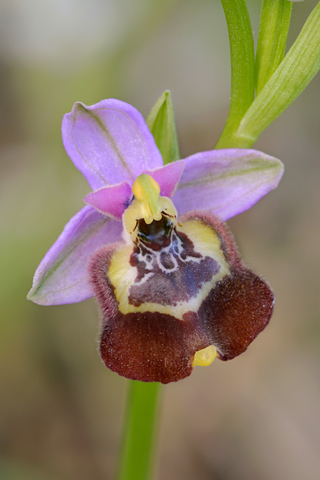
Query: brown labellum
{"type": "Point", "coordinates": [175, 291]}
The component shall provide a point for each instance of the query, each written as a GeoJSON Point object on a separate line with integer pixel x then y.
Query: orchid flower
{"type": "Point", "coordinates": [152, 247]}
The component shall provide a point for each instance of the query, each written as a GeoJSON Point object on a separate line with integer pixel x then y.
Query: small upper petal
{"type": "Point", "coordinates": [226, 182]}
{"type": "Point", "coordinates": [168, 177]}
{"type": "Point", "coordinates": [62, 276]}
{"type": "Point", "coordinates": [111, 200]}
{"type": "Point", "coordinates": [109, 142]}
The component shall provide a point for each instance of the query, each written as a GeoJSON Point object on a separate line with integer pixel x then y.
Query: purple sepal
{"type": "Point", "coordinates": [226, 182]}
{"type": "Point", "coordinates": [109, 142]}
{"type": "Point", "coordinates": [62, 275]}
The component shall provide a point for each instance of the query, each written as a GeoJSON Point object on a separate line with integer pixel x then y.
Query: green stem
{"type": "Point", "coordinates": [242, 67]}
{"type": "Point", "coordinates": [273, 33]}
{"type": "Point", "coordinates": [137, 449]}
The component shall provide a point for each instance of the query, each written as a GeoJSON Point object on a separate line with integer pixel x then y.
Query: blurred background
{"type": "Point", "coordinates": [256, 417]}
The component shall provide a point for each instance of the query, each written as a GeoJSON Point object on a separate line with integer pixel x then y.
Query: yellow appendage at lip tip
{"type": "Point", "coordinates": [147, 191]}
{"type": "Point", "coordinates": [205, 356]}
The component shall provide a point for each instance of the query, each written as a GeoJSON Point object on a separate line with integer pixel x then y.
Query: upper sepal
{"type": "Point", "coordinates": [109, 142]}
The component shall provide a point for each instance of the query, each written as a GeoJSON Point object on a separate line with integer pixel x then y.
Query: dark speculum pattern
{"type": "Point", "coordinates": [169, 268]}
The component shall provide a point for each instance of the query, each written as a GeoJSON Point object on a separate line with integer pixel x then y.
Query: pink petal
{"type": "Point", "coordinates": [226, 182]}
{"type": "Point", "coordinates": [62, 275]}
{"type": "Point", "coordinates": [168, 177]}
{"type": "Point", "coordinates": [109, 142]}
{"type": "Point", "coordinates": [111, 200]}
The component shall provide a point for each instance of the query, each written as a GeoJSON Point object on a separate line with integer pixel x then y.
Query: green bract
{"type": "Point", "coordinates": [162, 126]}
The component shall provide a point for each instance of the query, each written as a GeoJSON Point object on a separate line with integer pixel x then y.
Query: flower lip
{"type": "Point", "coordinates": [170, 308]}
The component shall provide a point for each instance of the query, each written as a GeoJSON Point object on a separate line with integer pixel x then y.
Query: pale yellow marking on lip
{"type": "Point", "coordinates": [122, 275]}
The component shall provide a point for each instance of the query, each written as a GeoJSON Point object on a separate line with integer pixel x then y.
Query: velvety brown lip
{"type": "Point", "coordinates": [156, 346]}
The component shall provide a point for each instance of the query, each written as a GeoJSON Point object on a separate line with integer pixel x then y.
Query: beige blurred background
{"type": "Point", "coordinates": [256, 417]}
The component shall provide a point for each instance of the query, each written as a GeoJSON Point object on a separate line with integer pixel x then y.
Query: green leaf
{"type": "Point", "coordinates": [242, 67]}
{"type": "Point", "coordinates": [273, 32]}
{"type": "Point", "coordinates": [162, 126]}
{"type": "Point", "coordinates": [295, 72]}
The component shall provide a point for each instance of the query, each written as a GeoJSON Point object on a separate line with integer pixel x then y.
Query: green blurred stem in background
{"type": "Point", "coordinates": [140, 425]}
